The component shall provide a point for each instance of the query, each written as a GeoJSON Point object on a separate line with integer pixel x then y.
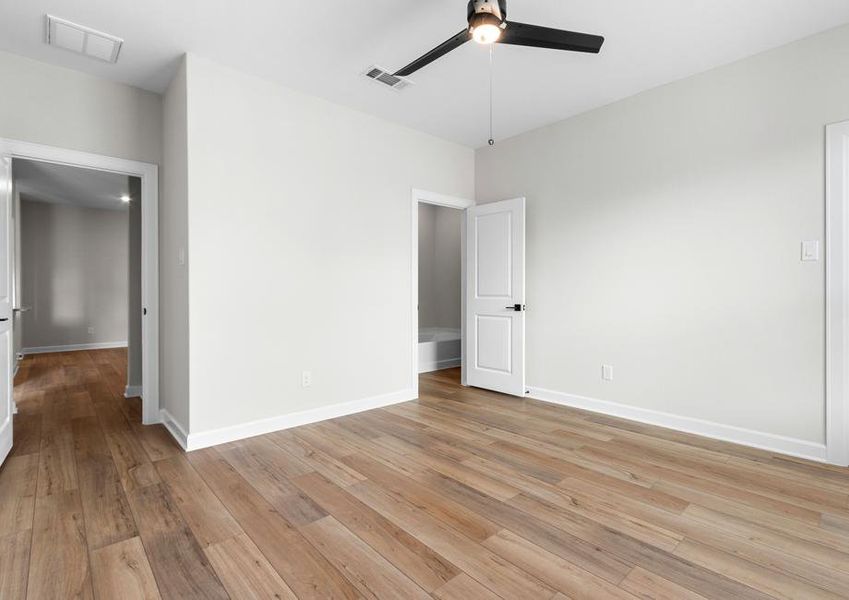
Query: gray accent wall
{"type": "Point", "coordinates": [439, 266]}
{"type": "Point", "coordinates": [73, 274]}
{"type": "Point", "coordinates": [134, 285]}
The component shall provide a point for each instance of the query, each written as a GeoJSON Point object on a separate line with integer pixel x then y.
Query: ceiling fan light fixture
{"type": "Point", "coordinates": [485, 28]}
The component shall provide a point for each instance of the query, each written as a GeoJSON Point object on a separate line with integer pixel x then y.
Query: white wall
{"type": "Point", "coordinates": [664, 239]}
{"type": "Point", "coordinates": [299, 238]}
{"type": "Point", "coordinates": [173, 239]}
{"type": "Point", "coordinates": [51, 105]}
{"type": "Point", "coordinates": [439, 266]}
{"type": "Point", "coordinates": [73, 274]}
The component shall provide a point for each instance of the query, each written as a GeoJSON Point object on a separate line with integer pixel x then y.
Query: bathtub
{"type": "Point", "coordinates": [439, 348]}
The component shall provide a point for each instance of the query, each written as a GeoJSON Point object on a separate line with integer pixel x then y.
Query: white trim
{"type": "Point", "coordinates": [133, 391]}
{"type": "Point", "coordinates": [175, 428]}
{"type": "Point", "coordinates": [718, 431]}
{"type": "Point", "coordinates": [450, 202]}
{"type": "Point", "coordinates": [6, 441]}
{"type": "Point", "coordinates": [205, 439]}
{"type": "Point", "coordinates": [837, 293]}
{"type": "Point", "coordinates": [439, 365]}
{"type": "Point", "coordinates": [73, 347]}
{"type": "Point", "coordinates": [149, 174]}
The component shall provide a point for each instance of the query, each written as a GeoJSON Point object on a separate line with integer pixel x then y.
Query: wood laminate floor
{"type": "Point", "coordinates": [463, 494]}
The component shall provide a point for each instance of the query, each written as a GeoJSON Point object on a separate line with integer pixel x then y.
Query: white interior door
{"type": "Point", "coordinates": [495, 297]}
{"type": "Point", "coordinates": [6, 354]}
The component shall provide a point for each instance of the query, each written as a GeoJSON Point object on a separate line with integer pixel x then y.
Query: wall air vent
{"type": "Point", "coordinates": [82, 40]}
{"type": "Point", "coordinates": [384, 77]}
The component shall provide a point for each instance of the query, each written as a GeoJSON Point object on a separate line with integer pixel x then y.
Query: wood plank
{"type": "Point", "coordinates": [245, 572]}
{"type": "Point", "coordinates": [769, 581]}
{"type": "Point", "coordinates": [14, 564]}
{"type": "Point", "coordinates": [489, 569]}
{"type": "Point", "coordinates": [57, 467]}
{"type": "Point", "coordinates": [156, 441]}
{"type": "Point", "coordinates": [27, 428]}
{"type": "Point", "coordinates": [553, 570]}
{"type": "Point", "coordinates": [491, 486]}
{"type": "Point", "coordinates": [302, 567]}
{"type": "Point", "coordinates": [466, 521]}
{"type": "Point", "coordinates": [556, 540]}
{"type": "Point", "coordinates": [267, 468]}
{"type": "Point", "coordinates": [59, 566]}
{"type": "Point", "coordinates": [373, 575]}
{"type": "Point", "coordinates": [418, 561]}
{"type": "Point", "coordinates": [121, 570]}
{"type": "Point", "coordinates": [134, 466]}
{"type": "Point", "coordinates": [180, 566]}
{"type": "Point", "coordinates": [645, 584]}
{"type": "Point", "coordinates": [17, 493]}
{"type": "Point", "coordinates": [334, 470]}
{"type": "Point", "coordinates": [206, 516]}
{"type": "Point", "coordinates": [108, 517]}
{"type": "Point", "coordinates": [463, 587]}
{"type": "Point", "coordinates": [637, 553]}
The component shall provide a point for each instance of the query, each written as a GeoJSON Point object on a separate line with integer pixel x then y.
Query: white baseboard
{"type": "Point", "coordinates": [726, 433]}
{"type": "Point", "coordinates": [205, 439]}
{"type": "Point", "coordinates": [177, 431]}
{"type": "Point", "coordinates": [448, 363]}
{"type": "Point", "coordinates": [74, 347]}
{"type": "Point", "coordinates": [5, 441]}
{"type": "Point", "coordinates": [133, 391]}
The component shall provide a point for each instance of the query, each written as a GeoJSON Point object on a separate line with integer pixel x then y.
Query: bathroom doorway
{"type": "Point", "coordinates": [438, 276]}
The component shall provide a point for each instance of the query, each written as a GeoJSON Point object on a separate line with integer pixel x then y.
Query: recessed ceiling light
{"type": "Point", "coordinates": [82, 40]}
{"type": "Point", "coordinates": [125, 198]}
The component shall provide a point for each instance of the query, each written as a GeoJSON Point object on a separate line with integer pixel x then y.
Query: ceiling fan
{"type": "Point", "coordinates": [488, 24]}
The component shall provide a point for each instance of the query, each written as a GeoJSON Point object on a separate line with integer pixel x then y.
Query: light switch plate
{"type": "Point", "coordinates": [607, 372]}
{"type": "Point", "coordinates": [810, 251]}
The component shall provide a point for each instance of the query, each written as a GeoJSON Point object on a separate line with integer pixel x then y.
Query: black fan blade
{"type": "Point", "coordinates": [438, 52]}
{"type": "Point", "coordinates": [522, 34]}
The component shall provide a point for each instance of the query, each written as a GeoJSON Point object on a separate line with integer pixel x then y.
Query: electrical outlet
{"type": "Point", "coordinates": [607, 372]}
{"type": "Point", "coordinates": [306, 379]}
{"type": "Point", "coordinates": [91, 330]}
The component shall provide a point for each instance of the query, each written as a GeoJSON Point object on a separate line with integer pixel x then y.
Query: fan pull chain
{"type": "Point", "coordinates": [491, 137]}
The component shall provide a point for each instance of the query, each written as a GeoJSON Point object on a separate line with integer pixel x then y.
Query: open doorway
{"type": "Point", "coordinates": [438, 276]}
{"type": "Point", "coordinates": [77, 266]}
{"type": "Point", "coordinates": [492, 292]}
{"type": "Point", "coordinates": [142, 182]}
{"type": "Point", "coordinates": [440, 309]}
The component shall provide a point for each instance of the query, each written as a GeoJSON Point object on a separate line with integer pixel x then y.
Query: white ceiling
{"type": "Point", "coordinates": [322, 47]}
{"type": "Point", "coordinates": [60, 184]}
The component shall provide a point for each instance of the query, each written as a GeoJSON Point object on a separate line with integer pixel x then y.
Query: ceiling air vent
{"type": "Point", "coordinates": [386, 78]}
{"type": "Point", "coordinates": [83, 40]}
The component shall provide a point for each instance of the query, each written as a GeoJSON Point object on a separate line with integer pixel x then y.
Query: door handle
{"type": "Point", "coordinates": [3, 319]}
{"type": "Point", "coordinates": [516, 307]}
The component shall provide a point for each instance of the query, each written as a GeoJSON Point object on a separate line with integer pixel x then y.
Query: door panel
{"type": "Point", "coordinates": [495, 283]}
{"type": "Point", "coordinates": [6, 352]}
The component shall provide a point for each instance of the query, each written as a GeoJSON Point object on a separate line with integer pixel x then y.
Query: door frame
{"type": "Point", "coordinates": [426, 197]}
{"type": "Point", "coordinates": [837, 294]}
{"type": "Point", "coordinates": [149, 175]}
